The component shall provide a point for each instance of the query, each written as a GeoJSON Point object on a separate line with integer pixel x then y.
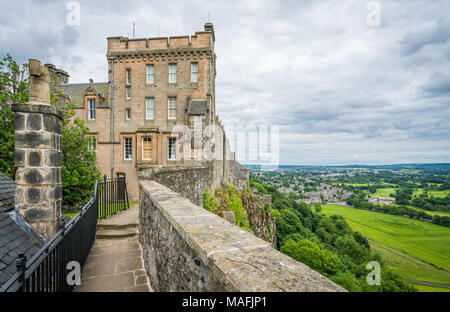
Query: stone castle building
{"type": "Point", "coordinates": [157, 109]}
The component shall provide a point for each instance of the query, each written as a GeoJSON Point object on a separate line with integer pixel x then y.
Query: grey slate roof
{"type": "Point", "coordinates": [7, 190]}
{"type": "Point", "coordinates": [76, 92]}
{"type": "Point", "coordinates": [13, 241]}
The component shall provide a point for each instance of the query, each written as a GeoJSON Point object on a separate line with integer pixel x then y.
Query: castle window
{"type": "Point", "coordinates": [127, 149]}
{"type": "Point", "coordinates": [128, 93]}
{"type": "Point", "coordinates": [150, 74]}
{"type": "Point", "coordinates": [194, 72]}
{"type": "Point", "coordinates": [147, 148]}
{"type": "Point", "coordinates": [172, 108]}
{"type": "Point", "coordinates": [91, 145]}
{"type": "Point", "coordinates": [172, 150]}
{"type": "Point", "coordinates": [149, 108]}
{"type": "Point", "coordinates": [128, 76]}
{"type": "Point", "coordinates": [91, 113]}
{"type": "Point", "coordinates": [172, 73]}
{"type": "Point", "coordinates": [127, 113]}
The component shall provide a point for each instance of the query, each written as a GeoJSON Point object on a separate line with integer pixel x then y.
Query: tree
{"type": "Point", "coordinates": [317, 208]}
{"type": "Point", "coordinates": [14, 88]}
{"type": "Point", "coordinates": [311, 254]}
{"type": "Point", "coordinates": [322, 198]}
{"type": "Point", "coordinates": [79, 171]}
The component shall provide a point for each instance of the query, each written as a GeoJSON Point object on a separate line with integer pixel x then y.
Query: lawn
{"type": "Point", "coordinates": [417, 250]}
{"type": "Point", "coordinates": [431, 212]}
{"type": "Point", "coordinates": [383, 192]}
{"type": "Point", "coordinates": [423, 288]}
{"type": "Point", "coordinates": [440, 194]}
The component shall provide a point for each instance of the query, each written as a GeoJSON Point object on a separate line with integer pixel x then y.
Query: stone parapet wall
{"type": "Point", "coordinates": [188, 181]}
{"type": "Point", "coordinates": [187, 248]}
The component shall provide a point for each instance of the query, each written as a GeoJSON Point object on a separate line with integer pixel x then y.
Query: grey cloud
{"type": "Point", "coordinates": [438, 85]}
{"type": "Point", "coordinates": [341, 91]}
{"type": "Point", "coordinates": [412, 42]}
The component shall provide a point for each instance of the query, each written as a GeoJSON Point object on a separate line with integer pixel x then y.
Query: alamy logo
{"type": "Point", "coordinates": [374, 16]}
{"type": "Point", "coordinates": [374, 276]}
{"type": "Point", "coordinates": [252, 143]}
{"type": "Point", "coordinates": [74, 276]}
{"type": "Point", "coordinates": [74, 16]}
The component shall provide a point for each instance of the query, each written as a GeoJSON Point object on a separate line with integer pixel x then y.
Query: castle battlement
{"type": "Point", "coordinates": [201, 40]}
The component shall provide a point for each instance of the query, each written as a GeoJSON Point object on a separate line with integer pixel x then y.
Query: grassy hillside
{"type": "Point", "coordinates": [385, 192]}
{"type": "Point", "coordinates": [441, 194]}
{"type": "Point", "coordinates": [431, 212]}
{"type": "Point", "coordinates": [417, 250]}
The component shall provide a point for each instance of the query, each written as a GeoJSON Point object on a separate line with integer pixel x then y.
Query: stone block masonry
{"type": "Point", "coordinates": [187, 248]}
{"type": "Point", "coordinates": [189, 181]}
{"type": "Point", "coordinates": [39, 160]}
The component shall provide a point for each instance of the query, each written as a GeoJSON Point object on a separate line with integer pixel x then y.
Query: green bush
{"type": "Point", "coordinates": [208, 200]}
{"type": "Point", "coordinates": [311, 254]}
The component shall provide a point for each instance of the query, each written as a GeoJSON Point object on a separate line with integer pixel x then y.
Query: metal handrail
{"type": "Point", "coordinates": [44, 271]}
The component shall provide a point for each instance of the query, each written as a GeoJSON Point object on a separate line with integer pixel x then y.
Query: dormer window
{"type": "Point", "coordinates": [91, 112]}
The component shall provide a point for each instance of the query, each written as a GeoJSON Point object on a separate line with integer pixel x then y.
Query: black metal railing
{"type": "Point", "coordinates": [113, 198]}
{"type": "Point", "coordinates": [68, 249]}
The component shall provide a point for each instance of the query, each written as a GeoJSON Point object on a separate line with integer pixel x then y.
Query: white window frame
{"type": "Point", "coordinates": [127, 113]}
{"type": "Point", "coordinates": [92, 145]}
{"type": "Point", "coordinates": [173, 75]}
{"type": "Point", "coordinates": [150, 75]}
{"type": "Point", "coordinates": [128, 76]}
{"type": "Point", "coordinates": [147, 116]}
{"type": "Point", "coordinates": [194, 73]}
{"type": "Point", "coordinates": [173, 108]}
{"type": "Point", "coordinates": [174, 149]}
{"type": "Point", "coordinates": [128, 92]}
{"type": "Point", "coordinates": [91, 109]}
{"type": "Point", "coordinates": [125, 148]}
{"type": "Point", "coordinates": [143, 147]}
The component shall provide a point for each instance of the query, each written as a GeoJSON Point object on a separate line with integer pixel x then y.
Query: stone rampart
{"type": "Point", "coordinates": [188, 181]}
{"type": "Point", "coordinates": [187, 248]}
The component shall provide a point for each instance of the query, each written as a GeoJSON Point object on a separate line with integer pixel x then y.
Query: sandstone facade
{"type": "Point", "coordinates": [157, 109]}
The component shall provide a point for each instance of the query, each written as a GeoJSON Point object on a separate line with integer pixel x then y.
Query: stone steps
{"type": "Point", "coordinates": [107, 226]}
{"type": "Point", "coordinates": [117, 233]}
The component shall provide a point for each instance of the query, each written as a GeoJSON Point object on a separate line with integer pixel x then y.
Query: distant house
{"type": "Point", "coordinates": [16, 236]}
{"type": "Point", "coordinates": [382, 200]}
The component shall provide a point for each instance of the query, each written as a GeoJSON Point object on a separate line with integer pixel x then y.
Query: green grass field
{"type": "Point", "coordinates": [383, 192]}
{"type": "Point", "coordinates": [423, 288]}
{"type": "Point", "coordinates": [440, 194]}
{"type": "Point", "coordinates": [415, 249]}
{"type": "Point", "coordinates": [439, 213]}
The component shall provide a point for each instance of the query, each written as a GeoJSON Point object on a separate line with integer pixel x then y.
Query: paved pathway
{"type": "Point", "coordinates": [115, 262]}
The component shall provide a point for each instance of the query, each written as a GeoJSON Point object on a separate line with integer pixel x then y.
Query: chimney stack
{"type": "Point", "coordinates": [209, 27]}
{"type": "Point", "coordinates": [38, 155]}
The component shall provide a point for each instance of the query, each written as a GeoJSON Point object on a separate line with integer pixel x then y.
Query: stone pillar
{"type": "Point", "coordinates": [38, 156]}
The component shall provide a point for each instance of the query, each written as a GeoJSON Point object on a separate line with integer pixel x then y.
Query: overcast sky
{"type": "Point", "coordinates": [341, 90]}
